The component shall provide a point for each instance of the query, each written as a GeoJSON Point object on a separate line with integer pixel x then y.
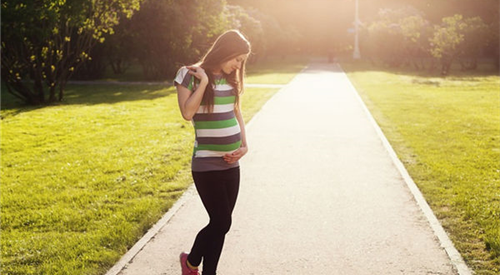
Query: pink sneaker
{"type": "Point", "coordinates": [185, 269]}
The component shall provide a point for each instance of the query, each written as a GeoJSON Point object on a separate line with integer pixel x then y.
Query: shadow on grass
{"type": "Point", "coordinates": [110, 94]}
{"type": "Point", "coordinates": [93, 94]}
{"type": "Point", "coordinates": [89, 95]}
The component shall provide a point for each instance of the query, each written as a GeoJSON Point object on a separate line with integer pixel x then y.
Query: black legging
{"type": "Point", "coordinates": [218, 191]}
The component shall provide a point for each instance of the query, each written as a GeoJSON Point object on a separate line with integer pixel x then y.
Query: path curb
{"type": "Point", "coordinates": [455, 257]}
{"type": "Point", "coordinates": [139, 245]}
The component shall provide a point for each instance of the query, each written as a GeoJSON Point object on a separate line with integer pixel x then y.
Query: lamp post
{"type": "Point", "coordinates": [356, 54]}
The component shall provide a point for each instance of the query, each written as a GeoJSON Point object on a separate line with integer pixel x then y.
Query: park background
{"type": "Point", "coordinates": [88, 167]}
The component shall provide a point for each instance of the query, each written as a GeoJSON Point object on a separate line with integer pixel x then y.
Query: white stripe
{"type": "Point", "coordinates": [224, 132]}
{"type": "Point", "coordinates": [207, 154]}
{"type": "Point", "coordinates": [218, 108]}
{"type": "Point", "coordinates": [181, 74]}
{"type": "Point", "coordinates": [223, 87]}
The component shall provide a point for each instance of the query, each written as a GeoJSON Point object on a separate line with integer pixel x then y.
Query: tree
{"type": "Point", "coordinates": [460, 38]}
{"type": "Point", "coordinates": [446, 40]}
{"type": "Point", "coordinates": [385, 39]}
{"type": "Point", "coordinates": [170, 33]}
{"type": "Point", "coordinates": [95, 66]}
{"type": "Point", "coordinates": [397, 35]}
{"type": "Point", "coordinates": [476, 36]}
{"type": "Point", "coordinates": [44, 41]}
{"type": "Point", "coordinates": [242, 20]}
{"type": "Point", "coordinates": [493, 48]}
{"type": "Point", "coordinates": [119, 55]}
{"type": "Point", "coordinates": [416, 32]}
{"type": "Point", "coordinates": [116, 52]}
{"type": "Point", "coordinates": [272, 37]}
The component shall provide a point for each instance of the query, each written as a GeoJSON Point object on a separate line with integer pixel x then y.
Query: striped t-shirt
{"type": "Point", "coordinates": [217, 133]}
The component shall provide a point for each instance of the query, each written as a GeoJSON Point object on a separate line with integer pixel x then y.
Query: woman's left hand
{"type": "Point", "coordinates": [236, 155]}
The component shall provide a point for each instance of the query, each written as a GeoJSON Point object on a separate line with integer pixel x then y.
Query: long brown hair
{"type": "Point", "coordinates": [229, 45]}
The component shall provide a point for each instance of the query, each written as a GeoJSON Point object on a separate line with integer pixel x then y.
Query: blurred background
{"type": "Point", "coordinates": [164, 34]}
{"type": "Point", "coordinates": [150, 39]}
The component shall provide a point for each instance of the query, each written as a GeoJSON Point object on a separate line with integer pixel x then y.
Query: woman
{"type": "Point", "coordinates": [209, 95]}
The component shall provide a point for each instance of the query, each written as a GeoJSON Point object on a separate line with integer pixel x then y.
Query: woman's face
{"type": "Point", "coordinates": [233, 64]}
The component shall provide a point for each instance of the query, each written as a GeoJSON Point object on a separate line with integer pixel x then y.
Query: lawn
{"type": "Point", "coordinates": [275, 70]}
{"type": "Point", "coordinates": [82, 181]}
{"type": "Point", "coordinates": [446, 130]}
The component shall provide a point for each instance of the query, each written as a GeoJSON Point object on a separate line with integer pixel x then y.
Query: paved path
{"type": "Point", "coordinates": [320, 194]}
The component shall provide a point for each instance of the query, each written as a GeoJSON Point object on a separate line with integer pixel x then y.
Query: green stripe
{"type": "Point", "coordinates": [215, 124]}
{"type": "Point", "coordinates": [222, 81]}
{"type": "Point", "coordinates": [191, 84]}
{"type": "Point", "coordinates": [224, 99]}
{"type": "Point", "coordinates": [219, 147]}
{"type": "Point", "coordinates": [217, 82]}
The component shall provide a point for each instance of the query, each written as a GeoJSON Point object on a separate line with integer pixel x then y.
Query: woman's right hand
{"type": "Point", "coordinates": [189, 101]}
{"type": "Point", "coordinates": [198, 72]}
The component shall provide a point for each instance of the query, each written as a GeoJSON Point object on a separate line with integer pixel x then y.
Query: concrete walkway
{"type": "Point", "coordinates": [320, 194]}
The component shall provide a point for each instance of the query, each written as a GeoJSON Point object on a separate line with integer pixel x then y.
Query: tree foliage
{"type": "Point", "coordinates": [165, 33]}
{"type": "Point", "coordinates": [265, 33]}
{"type": "Point", "coordinates": [416, 31]}
{"type": "Point", "coordinates": [44, 41]}
{"type": "Point", "coordinates": [447, 39]}
{"type": "Point", "coordinates": [404, 36]}
{"type": "Point", "coordinates": [476, 38]}
{"type": "Point", "coordinates": [494, 43]}
{"type": "Point", "coordinates": [399, 36]}
{"type": "Point", "coordinates": [459, 37]}
{"type": "Point", "coordinates": [247, 22]}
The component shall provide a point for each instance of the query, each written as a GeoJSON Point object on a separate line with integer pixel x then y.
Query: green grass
{"type": "Point", "coordinates": [82, 181]}
{"type": "Point", "coordinates": [447, 133]}
{"type": "Point", "coordinates": [275, 70]}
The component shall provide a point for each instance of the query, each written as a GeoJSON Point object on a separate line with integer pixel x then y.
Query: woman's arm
{"type": "Point", "coordinates": [236, 155]}
{"type": "Point", "coordinates": [189, 102]}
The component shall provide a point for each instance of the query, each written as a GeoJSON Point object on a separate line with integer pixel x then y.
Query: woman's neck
{"type": "Point", "coordinates": [217, 74]}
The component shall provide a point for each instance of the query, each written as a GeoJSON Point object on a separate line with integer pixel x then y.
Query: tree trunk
{"type": "Point", "coordinates": [445, 68]}
{"type": "Point", "coordinates": [446, 62]}
{"type": "Point", "coordinates": [38, 81]}
{"type": "Point", "coordinates": [468, 65]}
{"type": "Point", "coordinates": [62, 86]}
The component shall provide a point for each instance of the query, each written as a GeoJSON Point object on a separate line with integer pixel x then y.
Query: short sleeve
{"type": "Point", "coordinates": [184, 79]}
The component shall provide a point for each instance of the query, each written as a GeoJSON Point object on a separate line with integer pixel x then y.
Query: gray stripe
{"type": "Point", "coordinates": [224, 93]}
{"type": "Point", "coordinates": [213, 116]}
{"type": "Point", "coordinates": [211, 164]}
{"type": "Point", "coordinates": [219, 140]}
{"type": "Point", "coordinates": [186, 80]}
